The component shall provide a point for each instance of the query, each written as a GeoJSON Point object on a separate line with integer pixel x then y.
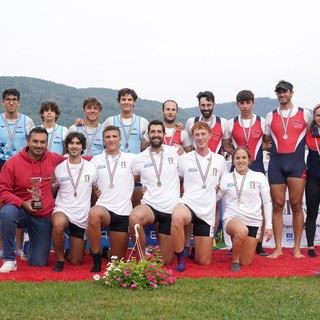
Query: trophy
{"type": "Point", "coordinates": [35, 193]}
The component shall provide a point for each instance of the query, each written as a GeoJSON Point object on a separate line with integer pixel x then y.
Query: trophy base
{"type": "Point", "coordinates": [36, 205]}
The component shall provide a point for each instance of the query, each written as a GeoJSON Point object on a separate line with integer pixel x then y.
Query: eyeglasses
{"type": "Point", "coordinates": [14, 100]}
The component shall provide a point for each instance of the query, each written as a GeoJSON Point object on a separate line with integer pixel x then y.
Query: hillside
{"type": "Point", "coordinates": [34, 91]}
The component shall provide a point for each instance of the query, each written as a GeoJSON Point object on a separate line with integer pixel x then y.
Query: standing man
{"type": "Point", "coordinates": [157, 169]}
{"type": "Point", "coordinates": [201, 170]}
{"type": "Point", "coordinates": [49, 112]}
{"type": "Point", "coordinates": [115, 182]}
{"type": "Point", "coordinates": [247, 130]}
{"type": "Point", "coordinates": [14, 127]}
{"type": "Point", "coordinates": [17, 192]}
{"type": "Point", "coordinates": [91, 128]}
{"type": "Point", "coordinates": [173, 137]}
{"type": "Point", "coordinates": [218, 125]}
{"type": "Point", "coordinates": [286, 127]}
{"type": "Point", "coordinates": [74, 179]}
{"type": "Point", "coordinates": [132, 128]}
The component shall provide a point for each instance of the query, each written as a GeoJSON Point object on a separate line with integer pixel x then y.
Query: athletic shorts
{"type": "Point", "coordinates": [118, 223]}
{"type": "Point", "coordinates": [283, 166]}
{"type": "Point", "coordinates": [200, 227]}
{"type": "Point", "coordinates": [164, 220]}
{"type": "Point", "coordinates": [253, 232]}
{"type": "Point", "coordinates": [77, 232]}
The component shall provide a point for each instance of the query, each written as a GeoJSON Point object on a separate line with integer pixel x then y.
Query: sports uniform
{"type": "Point", "coordinates": [132, 131]}
{"type": "Point", "coordinates": [249, 132]}
{"type": "Point", "coordinates": [218, 127]}
{"type": "Point", "coordinates": [117, 197]}
{"type": "Point", "coordinates": [93, 136]}
{"type": "Point", "coordinates": [198, 195]}
{"type": "Point", "coordinates": [13, 133]}
{"type": "Point", "coordinates": [75, 204]}
{"type": "Point", "coordinates": [288, 148]}
{"type": "Point", "coordinates": [256, 191]}
{"type": "Point", "coordinates": [56, 136]}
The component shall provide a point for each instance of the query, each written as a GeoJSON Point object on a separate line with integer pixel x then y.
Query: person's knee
{"type": "Point", "coordinates": [204, 260]}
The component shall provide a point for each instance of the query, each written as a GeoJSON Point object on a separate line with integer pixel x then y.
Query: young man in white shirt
{"type": "Point", "coordinates": [157, 169]}
{"type": "Point", "coordinates": [115, 184]}
{"type": "Point", "coordinates": [74, 179]}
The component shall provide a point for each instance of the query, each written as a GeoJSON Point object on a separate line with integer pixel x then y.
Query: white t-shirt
{"type": "Point", "coordinates": [256, 191]}
{"type": "Point", "coordinates": [201, 200]}
{"type": "Point", "coordinates": [118, 197]}
{"type": "Point", "coordinates": [165, 197]}
{"type": "Point", "coordinates": [76, 208]}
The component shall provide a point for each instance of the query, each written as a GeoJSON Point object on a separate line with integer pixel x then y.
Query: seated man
{"type": "Point", "coordinates": [157, 168]}
{"type": "Point", "coordinates": [115, 184]}
{"type": "Point", "coordinates": [201, 170]}
{"type": "Point", "coordinates": [18, 193]}
{"type": "Point", "coordinates": [74, 178]}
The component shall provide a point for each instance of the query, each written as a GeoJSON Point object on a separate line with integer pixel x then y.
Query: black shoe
{"type": "Point", "coordinates": [312, 253]}
{"type": "Point", "coordinates": [193, 253]}
{"type": "Point", "coordinates": [59, 266]}
{"type": "Point", "coordinates": [67, 254]}
{"type": "Point", "coordinates": [105, 253]}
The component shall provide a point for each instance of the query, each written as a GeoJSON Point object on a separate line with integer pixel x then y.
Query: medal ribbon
{"type": "Point", "coordinates": [246, 136]}
{"type": "Point", "coordinates": [11, 135]}
{"type": "Point", "coordinates": [239, 191]}
{"type": "Point", "coordinates": [75, 185]}
{"type": "Point", "coordinates": [156, 170]}
{"type": "Point", "coordinates": [112, 173]}
{"type": "Point", "coordinates": [203, 176]}
{"type": "Point", "coordinates": [285, 124]}
{"type": "Point", "coordinates": [126, 134]}
{"type": "Point", "coordinates": [170, 141]}
{"type": "Point", "coordinates": [51, 138]}
{"type": "Point", "coordinates": [92, 139]}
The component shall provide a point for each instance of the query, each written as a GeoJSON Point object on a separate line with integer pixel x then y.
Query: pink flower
{"type": "Point", "coordinates": [134, 285]}
{"type": "Point", "coordinates": [124, 285]}
{"type": "Point", "coordinates": [172, 280]}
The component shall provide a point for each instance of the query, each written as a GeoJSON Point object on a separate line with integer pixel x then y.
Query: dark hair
{"type": "Point", "coordinates": [37, 130]}
{"type": "Point", "coordinates": [313, 122]}
{"type": "Point", "coordinates": [245, 95]}
{"type": "Point", "coordinates": [90, 101]}
{"type": "Point", "coordinates": [200, 125]}
{"type": "Point", "coordinates": [206, 94]}
{"type": "Point", "coordinates": [78, 135]}
{"type": "Point", "coordinates": [164, 104]}
{"type": "Point", "coordinates": [12, 91]}
{"type": "Point", "coordinates": [111, 128]}
{"type": "Point", "coordinates": [240, 148]}
{"type": "Point", "coordinates": [49, 105]}
{"type": "Point", "coordinates": [124, 91]}
{"type": "Point", "coordinates": [156, 123]}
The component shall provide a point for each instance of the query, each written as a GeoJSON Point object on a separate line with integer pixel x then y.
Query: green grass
{"type": "Point", "coordinates": [248, 298]}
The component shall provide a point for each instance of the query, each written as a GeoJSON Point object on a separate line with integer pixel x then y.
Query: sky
{"type": "Point", "coordinates": [168, 49]}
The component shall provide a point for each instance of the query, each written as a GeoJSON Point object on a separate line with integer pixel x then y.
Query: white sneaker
{"type": "Point", "coordinates": [8, 266]}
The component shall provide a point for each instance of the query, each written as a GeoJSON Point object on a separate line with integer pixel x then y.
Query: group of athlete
{"type": "Point", "coordinates": [127, 171]}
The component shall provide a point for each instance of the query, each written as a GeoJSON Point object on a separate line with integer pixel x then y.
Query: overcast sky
{"type": "Point", "coordinates": [166, 49]}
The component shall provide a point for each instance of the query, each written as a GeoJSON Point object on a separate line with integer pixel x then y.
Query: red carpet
{"type": "Point", "coordinates": [284, 266]}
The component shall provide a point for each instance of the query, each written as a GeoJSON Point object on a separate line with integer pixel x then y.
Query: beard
{"type": "Point", "coordinates": [168, 120]}
{"type": "Point", "coordinates": [154, 144]}
{"type": "Point", "coordinates": [207, 114]}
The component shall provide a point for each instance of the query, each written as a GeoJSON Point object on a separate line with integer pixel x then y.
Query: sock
{"type": "Point", "coordinates": [105, 253]}
{"type": "Point", "coordinates": [96, 262]}
{"type": "Point", "coordinates": [59, 266]}
{"type": "Point", "coordinates": [312, 253]}
{"type": "Point", "coordinates": [259, 250]}
{"type": "Point", "coordinates": [186, 251]}
{"type": "Point", "coordinates": [193, 253]}
{"type": "Point", "coordinates": [181, 261]}
{"type": "Point", "coordinates": [235, 266]}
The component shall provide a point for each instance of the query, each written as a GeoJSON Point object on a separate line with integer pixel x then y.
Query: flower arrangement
{"type": "Point", "coordinates": [148, 273]}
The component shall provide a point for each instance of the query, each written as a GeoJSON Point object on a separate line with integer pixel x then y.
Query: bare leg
{"type": "Point", "coordinates": [77, 247]}
{"type": "Point", "coordinates": [118, 243]}
{"type": "Point", "coordinates": [166, 248]}
{"type": "Point", "coordinates": [203, 250]}
{"type": "Point", "coordinates": [278, 194]}
{"type": "Point", "coordinates": [59, 224]}
{"type": "Point", "coordinates": [296, 189]}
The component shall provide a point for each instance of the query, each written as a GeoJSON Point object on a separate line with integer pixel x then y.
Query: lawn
{"type": "Point", "coordinates": [246, 298]}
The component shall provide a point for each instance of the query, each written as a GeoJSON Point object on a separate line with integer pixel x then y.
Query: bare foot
{"type": "Point", "coordinates": [275, 254]}
{"type": "Point", "coordinates": [297, 254]}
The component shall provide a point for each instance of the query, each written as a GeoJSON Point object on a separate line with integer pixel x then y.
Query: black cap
{"type": "Point", "coordinates": [284, 85]}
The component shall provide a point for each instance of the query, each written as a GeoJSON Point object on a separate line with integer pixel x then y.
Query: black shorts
{"type": "Point", "coordinates": [253, 231]}
{"type": "Point", "coordinates": [76, 232]}
{"type": "Point", "coordinates": [164, 220]}
{"type": "Point", "coordinates": [200, 227]}
{"type": "Point", "coordinates": [118, 223]}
